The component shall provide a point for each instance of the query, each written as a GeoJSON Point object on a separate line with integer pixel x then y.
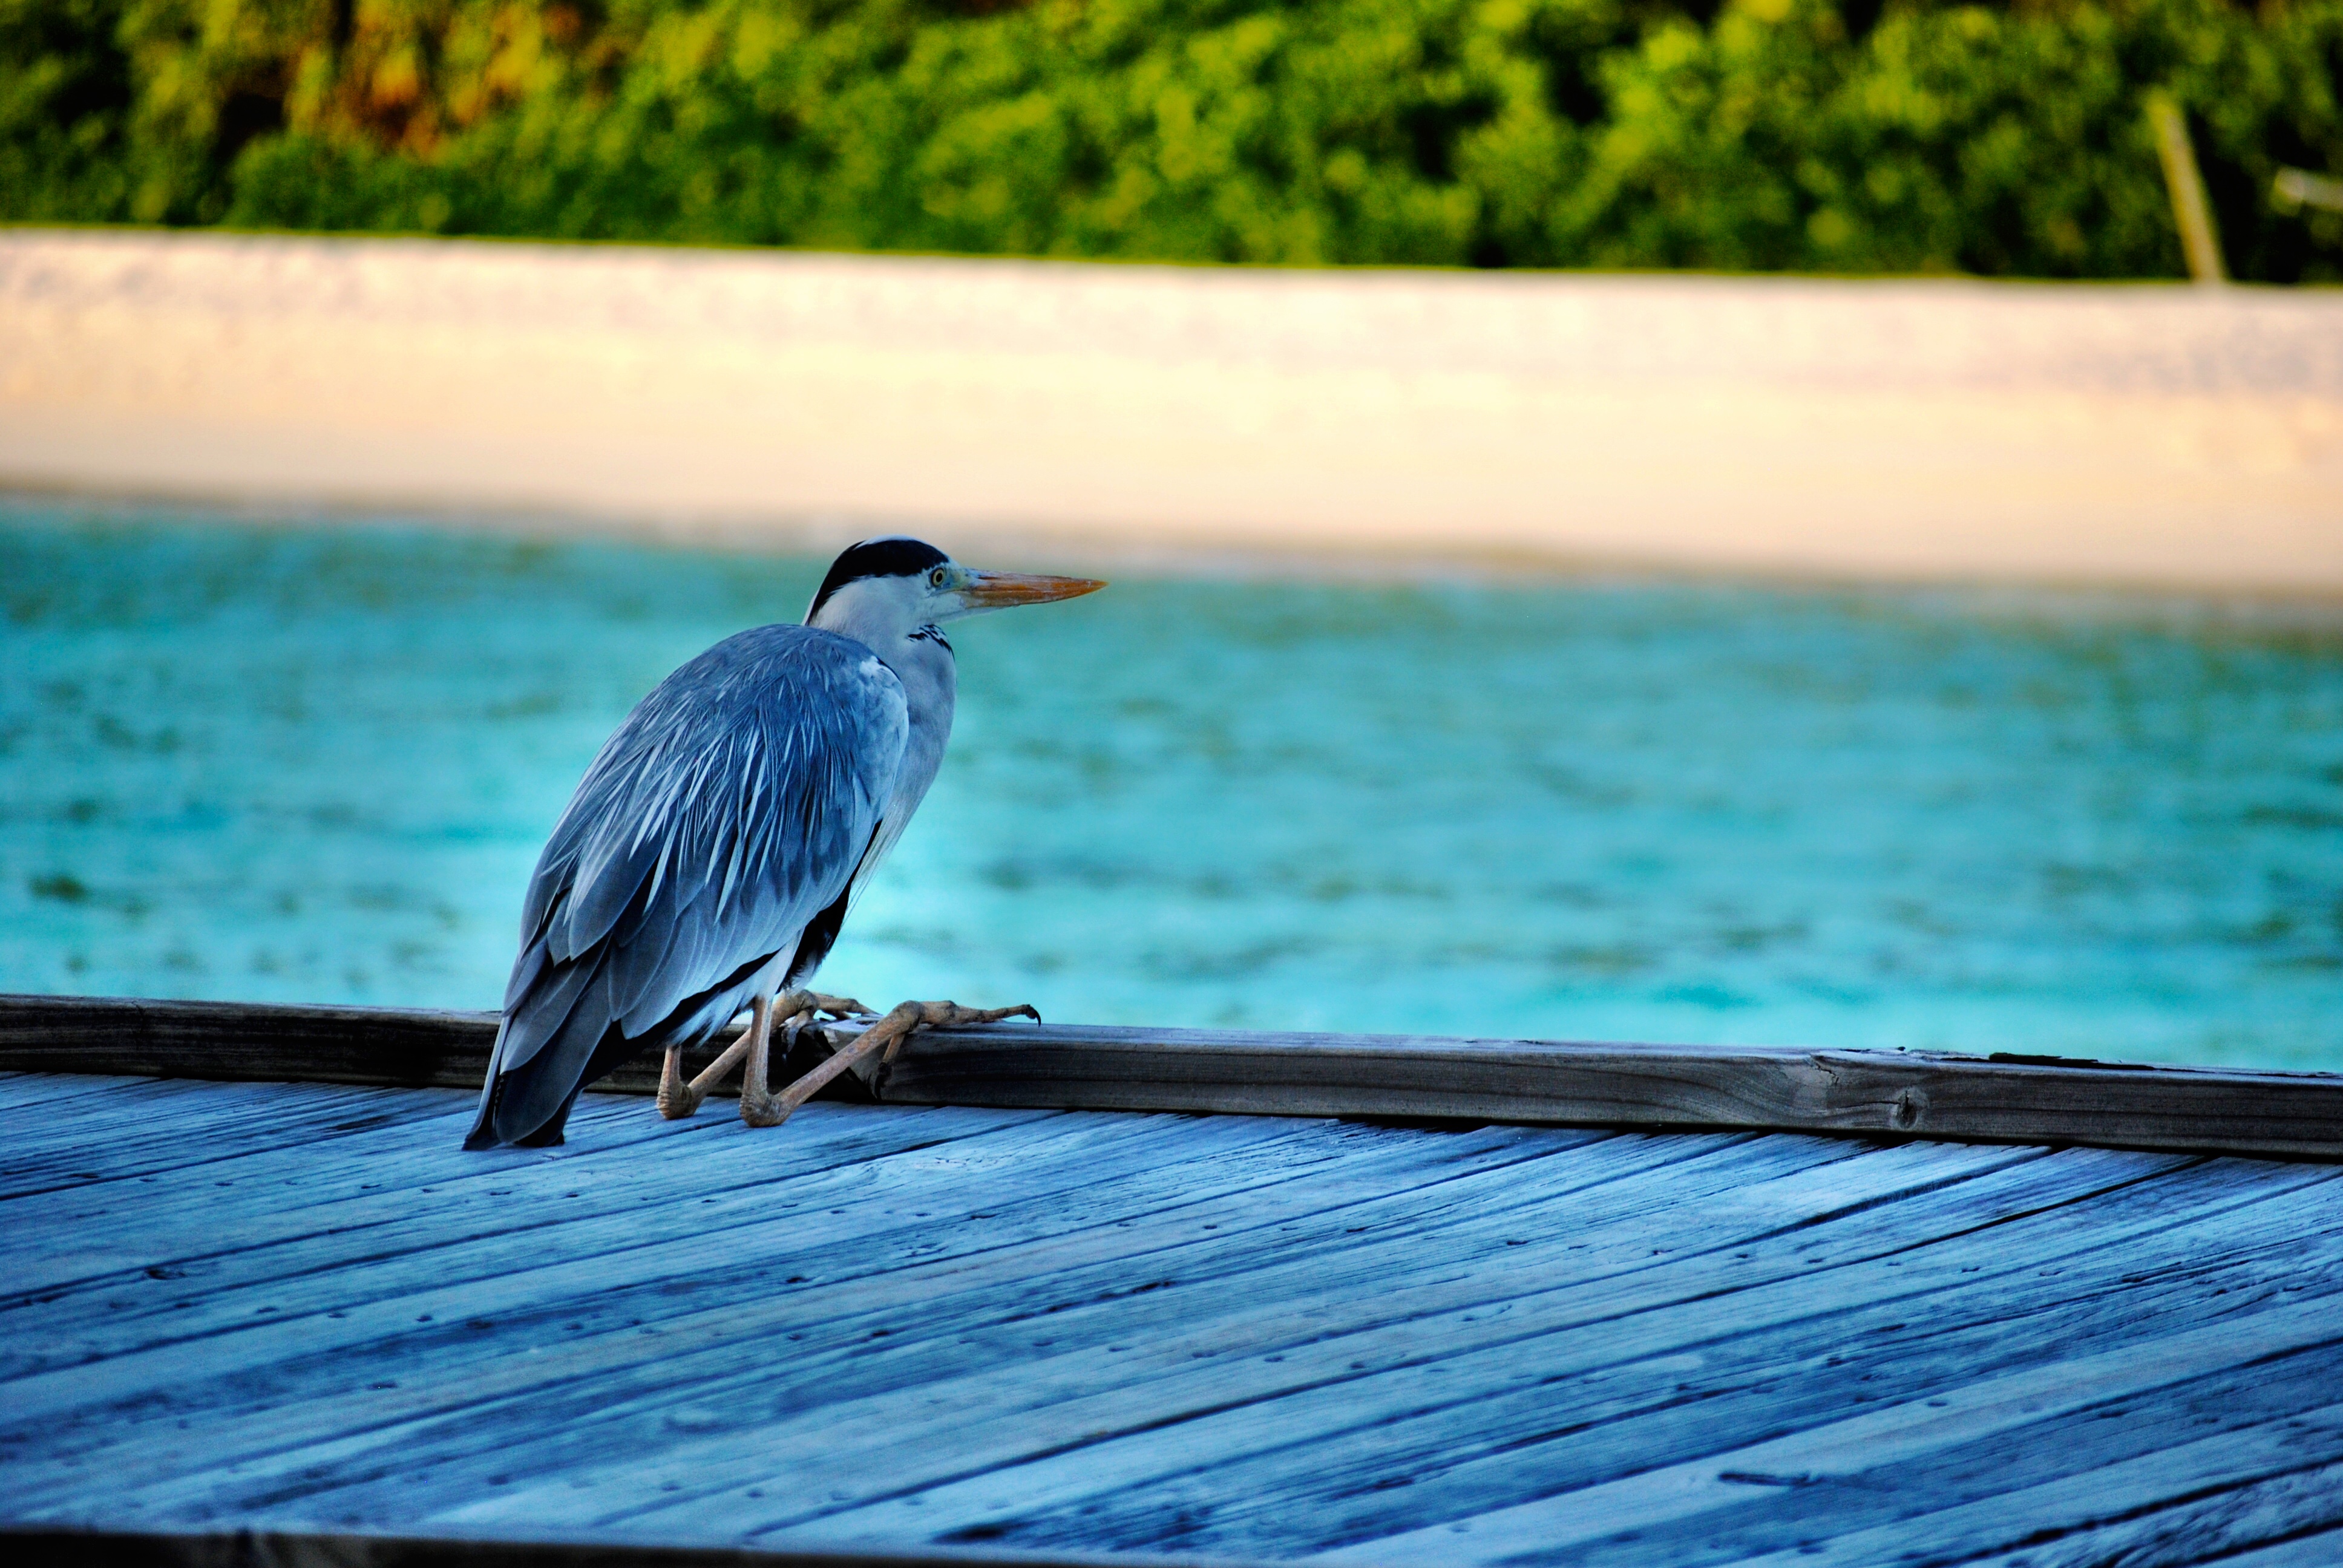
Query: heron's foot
{"type": "Point", "coordinates": [885, 1036]}
{"type": "Point", "coordinates": [756, 1104]}
{"type": "Point", "coordinates": [759, 1106]}
{"type": "Point", "coordinates": [677, 1099]}
{"type": "Point", "coordinates": [835, 1005]}
{"type": "Point", "coordinates": [911, 1017]}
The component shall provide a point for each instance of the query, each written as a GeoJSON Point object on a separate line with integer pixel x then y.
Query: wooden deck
{"type": "Point", "coordinates": [301, 1307]}
{"type": "Point", "coordinates": [2001, 1098]}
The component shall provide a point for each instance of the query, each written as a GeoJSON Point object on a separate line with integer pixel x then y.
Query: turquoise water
{"type": "Point", "coordinates": [315, 763]}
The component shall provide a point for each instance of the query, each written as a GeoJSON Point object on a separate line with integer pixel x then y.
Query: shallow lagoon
{"type": "Point", "coordinates": [316, 764]}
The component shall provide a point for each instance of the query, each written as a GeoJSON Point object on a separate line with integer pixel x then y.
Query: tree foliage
{"type": "Point", "coordinates": [1811, 135]}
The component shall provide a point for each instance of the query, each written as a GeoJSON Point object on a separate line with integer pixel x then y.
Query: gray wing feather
{"type": "Point", "coordinates": [731, 807]}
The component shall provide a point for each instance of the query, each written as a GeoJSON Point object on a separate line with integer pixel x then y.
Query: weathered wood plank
{"type": "Point", "coordinates": [434, 1276]}
{"type": "Point", "coordinates": [503, 1263]}
{"type": "Point", "coordinates": [194, 1112]}
{"type": "Point", "coordinates": [1502, 1451]}
{"type": "Point", "coordinates": [1446, 1442]}
{"type": "Point", "coordinates": [240, 1041]}
{"type": "Point", "coordinates": [2187, 1502]}
{"type": "Point", "coordinates": [1778, 1089]}
{"type": "Point", "coordinates": [159, 1127]}
{"type": "Point", "coordinates": [1987, 1099]}
{"type": "Point", "coordinates": [1009, 1268]}
{"type": "Point", "coordinates": [625, 1241]}
{"type": "Point", "coordinates": [1419, 1404]}
{"type": "Point", "coordinates": [37, 1547]}
{"type": "Point", "coordinates": [2089, 1466]}
{"type": "Point", "coordinates": [371, 1191]}
{"type": "Point", "coordinates": [685, 1383]}
{"type": "Point", "coordinates": [1208, 1227]}
{"type": "Point", "coordinates": [1904, 1433]}
{"type": "Point", "coordinates": [29, 1093]}
{"type": "Point", "coordinates": [1272, 1344]}
{"type": "Point", "coordinates": [223, 1041]}
{"type": "Point", "coordinates": [1083, 1332]}
{"type": "Point", "coordinates": [944, 1341]}
{"type": "Point", "coordinates": [1091, 1186]}
{"type": "Point", "coordinates": [2313, 1549]}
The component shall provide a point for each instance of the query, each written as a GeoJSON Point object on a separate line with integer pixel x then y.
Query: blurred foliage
{"type": "Point", "coordinates": [1762, 133]}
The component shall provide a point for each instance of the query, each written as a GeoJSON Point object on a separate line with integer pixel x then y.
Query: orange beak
{"type": "Point", "coordinates": [999, 590]}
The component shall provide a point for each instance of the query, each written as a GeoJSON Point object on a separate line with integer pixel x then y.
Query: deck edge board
{"type": "Point", "coordinates": [2003, 1097]}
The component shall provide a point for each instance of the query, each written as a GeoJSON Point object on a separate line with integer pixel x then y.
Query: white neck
{"type": "Point", "coordinates": [884, 615]}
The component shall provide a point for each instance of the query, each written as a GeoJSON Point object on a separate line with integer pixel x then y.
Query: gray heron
{"type": "Point", "coordinates": [711, 853]}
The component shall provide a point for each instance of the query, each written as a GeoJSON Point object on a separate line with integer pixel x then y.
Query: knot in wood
{"type": "Point", "coordinates": [1910, 1104]}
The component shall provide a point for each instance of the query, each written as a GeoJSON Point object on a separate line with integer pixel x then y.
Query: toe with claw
{"type": "Point", "coordinates": [914, 1016]}
{"type": "Point", "coordinates": [887, 1036]}
{"type": "Point", "coordinates": [835, 1005]}
{"type": "Point", "coordinates": [677, 1099]}
{"type": "Point", "coordinates": [794, 1011]}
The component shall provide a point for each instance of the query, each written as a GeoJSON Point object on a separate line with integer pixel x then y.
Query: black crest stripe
{"type": "Point", "coordinates": [887, 558]}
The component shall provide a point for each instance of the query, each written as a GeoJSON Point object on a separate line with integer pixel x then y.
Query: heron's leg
{"type": "Point", "coordinates": [677, 1099]}
{"type": "Point", "coordinates": [887, 1035]}
{"type": "Point", "coordinates": [758, 1108]}
{"type": "Point", "coordinates": [756, 1101]}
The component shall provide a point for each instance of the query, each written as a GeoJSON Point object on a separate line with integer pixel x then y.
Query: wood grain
{"type": "Point", "coordinates": [2026, 1101]}
{"type": "Point", "coordinates": [1997, 1098]}
{"type": "Point", "coordinates": [904, 1331]}
{"type": "Point", "coordinates": [52, 1548]}
{"type": "Point", "coordinates": [252, 1042]}
{"type": "Point", "coordinates": [1560, 1386]}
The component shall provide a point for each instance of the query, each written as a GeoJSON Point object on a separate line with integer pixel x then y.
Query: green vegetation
{"type": "Point", "coordinates": [1769, 134]}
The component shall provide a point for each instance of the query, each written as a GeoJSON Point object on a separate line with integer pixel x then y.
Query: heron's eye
{"type": "Point", "coordinates": [936, 577]}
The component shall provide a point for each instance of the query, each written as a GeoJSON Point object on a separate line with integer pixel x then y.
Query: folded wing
{"type": "Point", "coordinates": [728, 811]}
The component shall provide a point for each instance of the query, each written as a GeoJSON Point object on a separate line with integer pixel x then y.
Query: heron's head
{"type": "Point", "coordinates": [892, 588]}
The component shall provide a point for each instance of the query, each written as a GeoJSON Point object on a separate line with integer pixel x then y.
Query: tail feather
{"type": "Point", "coordinates": [564, 1030]}
{"type": "Point", "coordinates": [546, 1051]}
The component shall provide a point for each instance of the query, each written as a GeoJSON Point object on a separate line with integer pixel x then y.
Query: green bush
{"type": "Point", "coordinates": [1768, 134]}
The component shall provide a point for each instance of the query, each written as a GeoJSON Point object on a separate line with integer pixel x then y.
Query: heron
{"type": "Point", "coordinates": [711, 852]}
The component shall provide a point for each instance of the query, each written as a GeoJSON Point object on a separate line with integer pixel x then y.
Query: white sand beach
{"type": "Point", "coordinates": [1952, 429]}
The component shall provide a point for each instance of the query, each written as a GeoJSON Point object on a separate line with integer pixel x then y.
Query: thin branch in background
{"type": "Point", "coordinates": [2190, 210]}
{"type": "Point", "coordinates": [2300, 188]}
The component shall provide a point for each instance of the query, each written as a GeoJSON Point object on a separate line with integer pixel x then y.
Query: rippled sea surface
{"type": "Point", "coordinates": [315, 763]}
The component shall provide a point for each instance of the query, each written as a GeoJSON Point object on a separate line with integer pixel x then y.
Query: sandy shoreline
{"type": "Point", "coordinates": [1922, 429]}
